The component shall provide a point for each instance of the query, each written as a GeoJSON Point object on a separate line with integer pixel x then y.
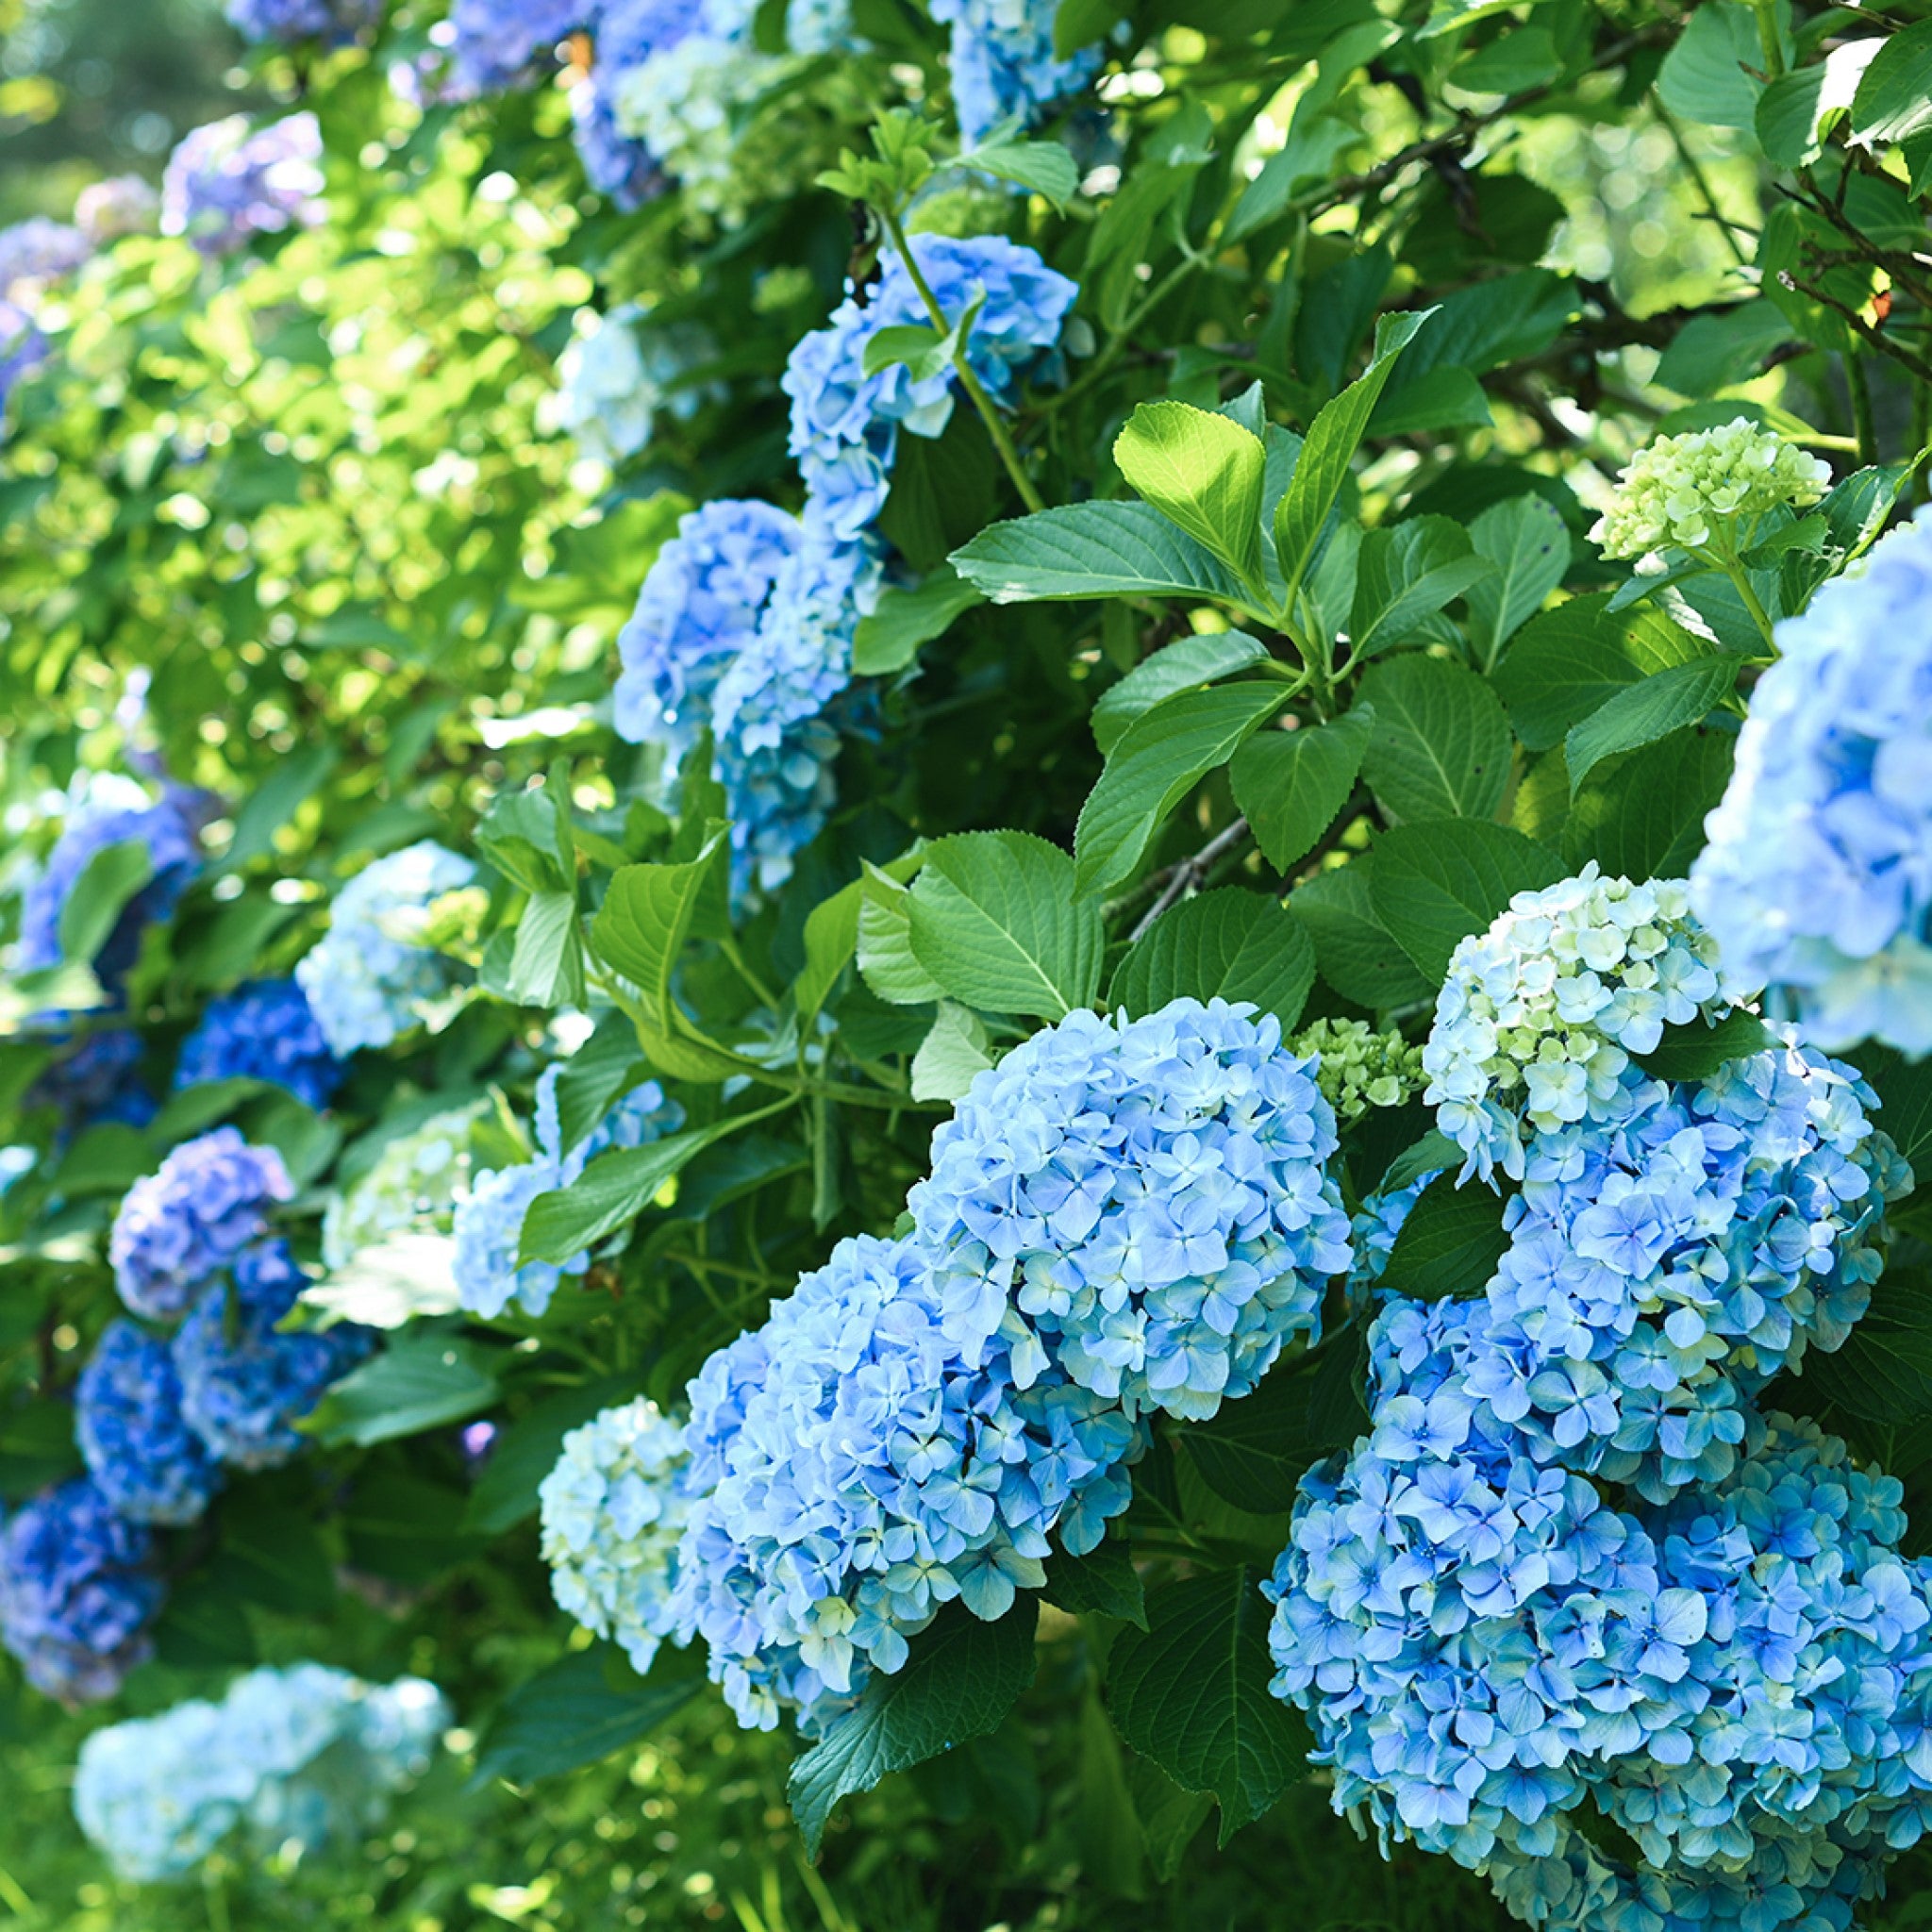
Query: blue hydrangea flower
{"type": "Point", "coordinates": [857, 1463]}
{"type": "Point", "coordinates": [615, 164]}
{"type": "Point", "coordinates": [1540, 1014]}
{"type": "Point", "coordinates": [179, 1227]}
{"type": "Point", "coordinates": [1818, 875]}
{"type": "Point", "coordinates": [143, 1457]}
{"type": "Point", "coordinates": [258, 20]}
{"type": "Point", "coordinates": [621, 370]}
{"type": "Point", "coordinates": [494, 44]}
{"type": "Point", "coordinates": [295, 1752]}
{"type": "Point", "coordinates": [228, 181]}
{"type": "Point", "coordinates": [169, 829]}
{"type": "Point", "coordinates": [1143, 1203]}
{"type": "Point", "coordinates": [95, 1078]}
{"type": "Point", "coordinates": [262, 1031]}
{"type": "Point", "coordinates": [365, 980]}
{"type": "Point", "coordinates": [244, 1385]}
{"type": "Point", "coordinates": [845, 424]}
{"type": "Point", "coordinates": [1004, 64]}
{"type": "Point", "coordinates": [688, 104]}
{"type": "Point", "coordinates": [38, 250]}
{"type": "Point", "coordinates": [78, 1592]}
{"type": "Point", "coordinates": [23, 349]}
{"type": "Point", "coordinates": [613, 1512]}
{"type": "Point", "coordinates": [121, 205]}
{"type": "Point", "coordinates": [489, 1220]}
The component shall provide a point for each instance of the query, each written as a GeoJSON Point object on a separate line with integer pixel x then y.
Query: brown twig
{"type": "Point", "coordinates": [1186, 872]}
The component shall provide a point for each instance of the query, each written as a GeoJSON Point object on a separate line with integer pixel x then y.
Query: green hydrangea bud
{"type": "Point", "coordinates": [1360, 1067]}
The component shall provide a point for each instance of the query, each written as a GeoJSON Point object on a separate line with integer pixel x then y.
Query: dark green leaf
{"type": "Point", "coordinates": [93, 905]}
{"type": "Point", "coordinates": [1256, 1452]}
{"type": "Point", "coordinates": [1104, 1582]}
{"type": "Point", "coordinates": [1438, 881]}
{"type": "Point", "coordinates": [582, 1708]}
{"type": "Point", "coordinates": [1183, 665]}
{"type": "Point", "coordinates": [890, 637]}
{"type": "Point", "coordinates": [1356, 953]}
{"type": "Point", "coordinates": [418, 1382]}
{"type": "Point", "coordinates": [1664, 701]}
{"type": "Point", "coordinates": [1440, 745]}
{"type": "Point", "coordinates": [1230, 944]}
{"type": "Point", "coordinates": [1450, 1244]}
{"type": "Point", "coordinates": [1291, 784]}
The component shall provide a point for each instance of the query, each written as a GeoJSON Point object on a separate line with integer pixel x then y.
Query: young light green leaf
{"type": "Point", "coordinates": [1291, 784]}
{"type": "Point", "coordinates": [885, 954]}
{"type": "Point", "coordinates": [1203, 471]}
{"type": "Point", "coordinates": [1440, 745]}
{"type": "Point", "coordinates": [1164, 755]}
{"type": "Point", "coordinates": [831, 934]}
{"type": "Point", "coordinates": [1183, 665]}
{"type": "Point", "coordinates": [1041, 167]}
{"type": "Point", "coordinates": [1094, 550]}
{"type": "Point", "coordinates": [890, 637]}
{"type": "Point", "coordinates": [1526, 542]}
{"type": "Point", "coordinates": [1227, 944]}
{"type": "Point", "coordinates": [547, 966]}
{"type": "Point", "coordinates": [958, 1048]}
{"type": "Point", "coordinates": [1441, 880]}
{"type": "Point", "coordinates": [1647, 711]}
{"type": "Point", "coordinates": [390, 1284]}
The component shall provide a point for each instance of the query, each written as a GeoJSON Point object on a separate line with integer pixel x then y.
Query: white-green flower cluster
{"type": "Point", "coordinates": [1358, 1067]}
{"type": "Point", "coordinates": [688, 106]}
{"type": "Point", "coordinates": [1542, 1013]}
{"type": "Point", "coordinates": [613, 1512]}
{"type": "Point", "coordinates": [1706, 488]}
{"type": "Point", "coordinates": [412, 1186]}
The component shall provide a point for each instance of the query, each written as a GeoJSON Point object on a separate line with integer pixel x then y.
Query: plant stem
{"type": "Point", "coordinates": [1740, 578]}
{"type": "Point", "coordinates": [989, 415]}
{"type": "Point", "coordinates": [1766, 12]}
{"type": "Point", "coordinates": [1863, 423]}
{"type": "Point", "coordinates": [1695, 169]}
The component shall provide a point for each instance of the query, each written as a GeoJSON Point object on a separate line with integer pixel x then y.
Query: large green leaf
{"type": "Point", "coordinates": [1525, 538]}
{"type": "Point", "coordinates": [960, 1681]}
{"type": "Point", "coordinates": [1476, 329]}
{"type": "Point", "coordinates": [1406, 576]}
{"type": "Point", "coordinates": [390, 1283]}
{"type": "Point", "coordinates": [996, 918]}
{"type": "Point", "coordinates": [420, 1381]}
{"type": "Point", "coordinates": [1799, 107]}
{"type": "Point", "coordinates": [1256, 1452]}
{"type": "Point", "coordinates": [1291, 784]}
{"type": "Point", "coordinates": [1191, 1694]}
{"type": "Point", "coordinates": [111, 876]}
{"type": "Point", "coordinates": [1905, 1093]}
{"type": "Point", "coordinates": [1710, 75]}
{"type": "Point", "coordinates": [889, 639]}
{"type": "Point", "coordinates": [1158, 760]}
{"type": "Point", "coordinates": [1450, 1244]}
{"type": "Point", "coordinates": [1042, 167]}
{"type": "Point", "coordinates": [1203, 472]}
{"type": "Point", "coordinates": [1356, 953]}
{"type": "Point", "coordinates": [1883, 1372]}
{"type": "Point", "coordinates": [831, 934]}
{"type": "Point", "coordinates": [1229, 944]}
{"type": "Point", "coordinates": [582, 1708]}
{"type": "Point", "coordinates": [1184, 666]}
{"type": "Point", "coordinates": [1895, 98]}
{"type": "Point", "coordinates": [1439, 880]}
{"type": "Point", "coordinates": [645, 918]}
{"type": "Point", "coordinates": [1642, 713]}
{"type": "Point", "coordinates": [1093, 550]}
{"type": "Point", "coordinates": [547, 965]}
{"type": "Point", "coordinates": [1440, 745]}
{"type": "Point", "coordinates": [1571, 661]}
{"type": "Point", "coordinates": [1103, 1581]}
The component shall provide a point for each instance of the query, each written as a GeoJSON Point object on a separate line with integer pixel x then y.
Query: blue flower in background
{"type": "Point", "coordinates": [39, 250]}
{"type": "Point", "coordinates": [178, 1228]}
{"type": "Point", "coordinates": [23, 349]}
{"type": "Point", "coordinates": [302, 19]}
{"type": "Point", "coordinates": [262, 1031]}
{"type": "Point", "coordinates": [365, 980]}
{"type": "Point", "coordinates": [615, 164]}
{"type": "Point", "coordinates": [1818, 875]}
{"type": "Point", "coordinates": [230, 181]}
{"type": "Point", "coordinates": [94, 1078]}
{"type": "Point", "coordinates": [243, 1385]}
{"type": "Point", "coordinates": [494, 44]}
{"type": "Point", "coordinates": [622, 370]}
{"type": "Point", "coordinates": [1004, 64]}
{"type": "Point", "coordinates": [143, 1457]}
{"type": "Point", "coordinates": [78, 1592]}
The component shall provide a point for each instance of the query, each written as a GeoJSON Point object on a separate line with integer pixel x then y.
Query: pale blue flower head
{"type": "Point", "coordinates": [1004, 63]}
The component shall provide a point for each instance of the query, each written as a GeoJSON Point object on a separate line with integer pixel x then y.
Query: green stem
{"type": "Point", "coordinates": [1111, 354]}
{"type": "Point", "coordinates": [1864, 426]}
{"type": "Point", "coordinates": [1766, 12]}
{"type": "Point", "coordinates": [1739, 576]}
{"type": "Point", "coordinates": [989, 415]}
{"type": "Point", "coordinates": [1694, 169]}
{"type": "Point", "coordinates": [739, 965]}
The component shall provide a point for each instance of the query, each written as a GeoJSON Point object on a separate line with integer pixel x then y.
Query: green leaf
{"type": "Point", "coordinates": [1714, 351]}
{"type": "Point", "coordinates": [1644, 712]}
{"type": "Point", "coordinates": [1229, 944]}
{"type": "Point", "coordinates": [1883, 1372]}
{"type": "Point", "coordinates": [525, 837]}
{"type": "Point", "coordinates": [1184, 666]}
{"type": "Point", "coordinates": [1439, 880]}
{"type": "Point", "coordinates": [1079, 22]}
{"type": "Point", "coordinates": [1356, 953]}
{"type": "Point", "coordinates": [1895, 99]}
{"type": "Point", "coordinates": [1703, 76]}
{"type": "Point", "coordinates": [1191, 1694]}
{"type": "Point", "coordinates": [1695, 1049]}
{"type": "Point", "coordinates": [1478, 328]}
{"type": "Point", "coordinates": [1104, 1582]}
{"type": "Point", "coordinates": [1403, 576]}
{"type": "Point", "coordinates": [645, 918]}
{"type": "Point", "coordinates": [1160, 760]}
{"type": "Point", "coordinates": [1291, 784]}
{"type": "Point", "coordinates": [1450, 1244]}
{"type": "Point", "coordinates": [1440, 745]}
{"type": "Point", "coordinates": [99, 896]}
{"type": "Point", "coordinates": [1093, 550]}
{"type": "Point", "coordinates": [831, 934]}
{"type": "Point", "coordinates": [504, 1495]}
{"type": "Point", "coordinates": [920, 347]}
{"type": "Point", "coordinates": [1168, 1816]}
{"type": "Point", "coordinates": [958, 1048]}
{"type": "Point", "coordinates": [960, 1681]}
{"type": "Point", "coordinates": [546, 968]}
{"type": "Point", "coordinates": [1525, 538]}
{"type": "Point", "coordinates": [1041, 167]}
{"type": "Point", "coordinates": [889, 640]}
{"type": "Point", "coordinates": [1203, 471]}
{"type": "Point", "coordinates": [390, 1283]}
{"type": "Point", "coordinates": [276, 800]}
{"type": "Point", "coordinates": [195, 1108]}
{"type": "Point", "coordinates": [1571, 661]}
{"type": "Point", "coordinates": [418, 1382]}
{"type": "Point", "coordinates": [1645, 819]}
{"type": "Point", "coordinates": [1905, 1092]}
{"type": "Point", "coordinates": [1509, 64]}
{"type": "Point", "coordinates": [596, 1077]}
{"type": "Point", "coordinates": [1434, 1151]}
{"type": "Point", "coordinates": [997, 922]}
{"type": "Point", "coordinates": [884, 952]}
{"type": "Point", "coordinates": [584, 1707]}
{"type": "Point", "coordinates": [1256, 1452]}
{"type": "Point", "coordinates": [1332, 441]}
{"type": "Point", "coordinates": [1798, 108]}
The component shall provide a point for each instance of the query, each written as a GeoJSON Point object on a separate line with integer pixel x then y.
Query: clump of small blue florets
{"type": "Point", "coordinates": [228, 182]}
{"type": "Point", "coordinates": [263, 1032]}
{"type": "Point", "coordinates": [1004, 64]}
{"type": "Point", "coordinates": [301, 20]}
{"type": "Point", "coordinates": [146, 1460]}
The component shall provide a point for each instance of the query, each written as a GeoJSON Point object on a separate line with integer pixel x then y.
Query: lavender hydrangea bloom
{"type": "Point", "coordinates": [1818, 875]}
{"type": "Point", "coordinates": [143, 1457]}
{"type": "Point", "coordinates": [243, 1385]}
{"type": "Point", "coordinates": [121, 205]}
{"type": "Point", "coordinates": [179, 1227]}
{"type": "Point", "coordinates": [23, 348]}
{"type": "Point", "coordinates": [258, 20]}
{"type": "Point", "coordinates": [1004, 64]}
{"type": "Point", "coordinates": [845, 424]}
{"type": "Point", "coordinates": [228, 182]}
{"type": "Point", "coordinates": [494, 44]}
{"type": "Point", "coordinates": [1142, 1203]}
{"type": "Point", "coordinates": [262, 1031]}
{"type": "Point", "coordinates": [76, 1593]}
{"type": "Point", "coordinates": [857, 1463]}
{"type": "Point", "coordinates": [39, 250]}
{"type": "Point", "coordinates": [366, 982]}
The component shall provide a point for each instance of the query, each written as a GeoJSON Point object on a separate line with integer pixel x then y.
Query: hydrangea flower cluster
{"type": "Point", "coordinates": [490, 1219]}
{"type": "Point", "coordinates": [95, 1078]}
{"type": "Point", "coordinates": [258, 20]}
{"type": "Point", "coordinates": [614, 1512]}
{"type": "Point", "coordinates": [111, 813]}
{"type": "Point", "coordinates": [179, 1227]}
{"type": "Point", "coordinates": [39, 250]}
{"type": "Point", "coordinates": [228, 182]}
{"type": "Point", "coordinates": [121, 205]}
{"type": "Point", "coordinates": [1818, 875]}
{"type": "Point", "coordinates": [845, 424]}
{"type": "Point", "coordinates": [1540, 1015]}
{"type": "Point", "coordinates": [1357, 1068]}
{"type": "Point", "coordinates": [412, 1185]}
{"type": "Point", "coordinates": [77, 1591]}
{"type": "Point", "coordinates": [621, 370]}
{"type": "Point", "coordinates": [262, 1031]}
{"type": "Point", "coordinates": [687, 105]}
{"type": "Point", "coordinates": [1707, 489]}
{"type": "Point", "coordinates": [23, 348]}
{"type": "Point", "coordinates": [301, 1751]}
{"type": "Point", "coordinates": [143, 1457]}
{"type": "Point", "coordinates": [1003, 61]}
{"type": "Point", "coordinates": [367, 980]}
{"type": "Point", "coordinates": [494, 44]}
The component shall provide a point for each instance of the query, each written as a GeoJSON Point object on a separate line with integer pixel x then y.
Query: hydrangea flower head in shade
{"type": "Point", "coordinates": [494, 44]}
{"type": "Point", "coordinates": [1142, 1203]}
{"type": "Point", "coordinates": [121, 205]}
{"type": "Point", "coordinates": [366, 980]}
{"type": "Point", "coordinates": [613, 1512]}
{"type": "Point", "coordinates": [1707, 489]}
{"type": "Point", "coordinates": [489, 1220]}
{"type": "Point", "coordinates": [297, 1752]}
{"type": "Point", "coordinates": [688, 106]}
{"type": "Point", "coordinates": [855, 1466]}
{"type": "Point", "coordinates": [621, 372]}
{"type": "Point", "coordinates": [1818, 875]}
{"type": "Point", "coordinates": [138, 1446]}
{"type": "Point", "coordinates": [262, 1031]}
{"type": "Point", "coordinates": [39, 250]}
{"type": "Point", "coordinates": [179, 1227]}
{"type": "Point", "coordinates": [259, 21]}
{"type": "Point", "coordinates": [1003, 65]}
{"type": "Point", "coordinates": [78, 1592]}
{"type": "Point", "coordinates": [1357, 1068]}
{"type": "Point", "coordinates": [412, 1186]}
{"type": "Point", "coordinates": [95, 1078]}
{"type": "Point", "coordinates": [1540, 1014]}
{"type": "Point", "coordinates": [228, 182]}
{"type": "Point", "coordinates": [845, 424]}
{"type": "Point", "coordinates": [244, 1385]}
